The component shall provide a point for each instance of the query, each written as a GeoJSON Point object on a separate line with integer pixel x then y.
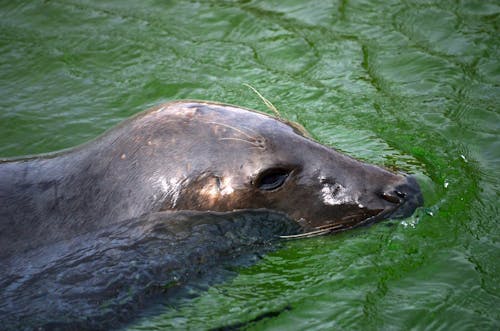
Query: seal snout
{"type": "Point", "coordinates": [406, 197]}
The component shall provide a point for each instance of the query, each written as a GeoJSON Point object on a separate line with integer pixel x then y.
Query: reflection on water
{"type": "Point", "coordinates": [412, 86]}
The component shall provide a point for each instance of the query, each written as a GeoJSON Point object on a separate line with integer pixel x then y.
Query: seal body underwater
{"type": "Point", "coordinates": [190, 157]}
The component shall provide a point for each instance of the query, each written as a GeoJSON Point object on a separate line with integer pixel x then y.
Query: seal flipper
{"type": "Point", "coordinates": [95, 280]}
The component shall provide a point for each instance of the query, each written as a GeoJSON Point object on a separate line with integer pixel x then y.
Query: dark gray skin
{"type": "Point", "coordinates": [180, 158]}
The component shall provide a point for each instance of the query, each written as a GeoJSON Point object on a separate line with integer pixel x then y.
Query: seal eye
{"type": "Point", "coordinates": [271, 179]}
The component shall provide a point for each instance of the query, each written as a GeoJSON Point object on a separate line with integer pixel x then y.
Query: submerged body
{"type": "Point", "coordinates": [180, 158]}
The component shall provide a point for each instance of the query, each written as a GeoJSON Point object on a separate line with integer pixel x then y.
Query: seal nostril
{"type": "Point", "coordinates": [390, 198]}
{"type": "Point", "coordinates": [400, 194]}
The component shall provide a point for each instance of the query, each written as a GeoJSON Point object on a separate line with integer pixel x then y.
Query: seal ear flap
{"type": "Point", "coordinates": [272, 179]}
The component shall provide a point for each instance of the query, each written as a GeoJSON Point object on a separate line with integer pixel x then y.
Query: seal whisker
{"type": "Point", "coordinates": [321, 230]}
{"type": "Point", "coordinates": [243, 140]}
{"type": "Point", "coordinates": [331, 226]}
{"type": "Point", "coordinates": [306, 234]}
{"type": "Point", "coordinates": [236, 129]}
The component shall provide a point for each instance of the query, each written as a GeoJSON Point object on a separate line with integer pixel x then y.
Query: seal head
{"type": "Point", "coordinates": [229, 158]}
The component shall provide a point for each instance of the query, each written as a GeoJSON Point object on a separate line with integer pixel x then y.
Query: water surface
{"type": "Point", "coordinates": [413, 86]}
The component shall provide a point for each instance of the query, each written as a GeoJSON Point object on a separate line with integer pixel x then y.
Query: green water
{"type": "Point", "coordinates": [410, 85]}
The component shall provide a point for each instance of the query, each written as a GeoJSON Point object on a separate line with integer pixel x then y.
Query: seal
{"type": "Point", "coordinates": [193, 157]}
